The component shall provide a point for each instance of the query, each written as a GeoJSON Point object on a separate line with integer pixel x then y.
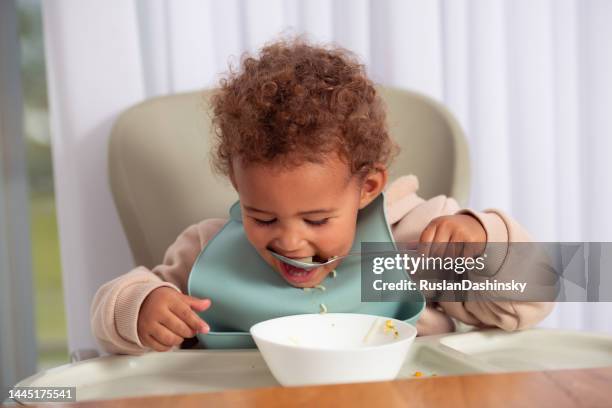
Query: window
{"type": "Point", "coordinates": [47, 278]}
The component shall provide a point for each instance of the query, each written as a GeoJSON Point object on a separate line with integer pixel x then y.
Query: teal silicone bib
{"type": "Point", "coordinates": [245, 290]}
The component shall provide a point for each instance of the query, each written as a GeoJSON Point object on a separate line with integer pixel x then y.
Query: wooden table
{"type": "Point", "coordinates": [562, 388]}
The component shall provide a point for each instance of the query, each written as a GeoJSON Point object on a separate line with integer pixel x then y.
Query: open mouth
{"type": "Point", "coordinates": [319, 259]}
{"type": "Point", "coordinates": [297, 275]}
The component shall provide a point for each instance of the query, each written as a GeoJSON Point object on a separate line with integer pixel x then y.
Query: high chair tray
{"type": "Point", "coordinates": [191, 371]}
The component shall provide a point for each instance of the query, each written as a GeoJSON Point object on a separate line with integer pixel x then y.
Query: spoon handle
{"type": "Point", "coordinates": [374, 252]}
{"type": "Point", "coordinates": [399, 251]}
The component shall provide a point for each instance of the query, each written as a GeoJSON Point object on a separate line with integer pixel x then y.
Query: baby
{"type": "Point", "coordinates": [301, 133]}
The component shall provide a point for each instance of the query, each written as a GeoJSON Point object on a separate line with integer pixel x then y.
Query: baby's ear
{"type": "Point", "coordinates": [373, 184]}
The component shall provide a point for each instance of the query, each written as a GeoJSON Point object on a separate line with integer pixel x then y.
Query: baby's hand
{"type": "Point", "coordinates": [466, 233]}
{"type": "Point", "coordinates": [166, 318]}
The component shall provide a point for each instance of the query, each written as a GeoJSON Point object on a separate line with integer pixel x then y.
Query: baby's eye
{"type": "Point", "coordinates": [318, 222]}
{"type": "Point", "coordinates": [264, 223]}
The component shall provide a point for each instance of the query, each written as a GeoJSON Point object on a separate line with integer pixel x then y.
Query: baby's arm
{"type": "Point", "coordinates": [507, 315]}
{"type": "Point", "coordinates": [410, 214]}
{"type": "Point", "coordinates": [116, 305]}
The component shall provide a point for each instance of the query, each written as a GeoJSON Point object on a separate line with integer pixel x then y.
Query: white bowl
{"type": "Point", "coordinates": [333, 348]}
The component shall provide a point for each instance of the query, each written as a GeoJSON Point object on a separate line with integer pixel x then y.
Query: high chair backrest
{"type": "Point", "coordinates": [162, 182]}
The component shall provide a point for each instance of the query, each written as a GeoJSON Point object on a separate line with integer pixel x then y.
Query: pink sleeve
{"type": "Point", "coordinates": [115, 307]}
{"type": "Point", "coordinates": [409, 214]}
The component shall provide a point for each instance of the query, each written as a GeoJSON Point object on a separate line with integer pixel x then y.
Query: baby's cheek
{"type": "Point", "coordinates": [339, 240]}
{"type": "Point", "coordinates": [255, 236]}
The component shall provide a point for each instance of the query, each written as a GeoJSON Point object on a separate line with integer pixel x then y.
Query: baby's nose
{"type": "Point", "coordinates": [289, 243]}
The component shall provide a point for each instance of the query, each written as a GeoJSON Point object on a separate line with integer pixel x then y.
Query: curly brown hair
{"type": "Point", "coordinates": [297, 102]}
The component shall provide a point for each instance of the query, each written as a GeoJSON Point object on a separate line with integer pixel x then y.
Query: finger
{"type": "Point", "coordinates": [477, 249]}
{"type": "Point", "coordinates": [197, 304]}
{"type": "Point", "coordinates": [154, 344]}
{"type": "Point", "coordinates": [173, 323]}
{"type": "Point", "coordinates": [440, 241]}
{"type": "Point", "coordinates": [456, 246]}
{"type": "Point", "coordinates": [191, 319]}
{"type": "Point", "coordinates": [470, 249]}
{"type": "Point", "coordinates": [426, 238]}
{"type": "Point", "coordinates": [165, 336]}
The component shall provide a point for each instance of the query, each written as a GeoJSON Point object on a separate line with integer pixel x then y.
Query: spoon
{"type": "Point", "coordinates": [303, 264]}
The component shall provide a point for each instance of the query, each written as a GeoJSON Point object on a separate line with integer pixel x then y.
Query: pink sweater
{"type": "Point", "coordinates": [115, 307]}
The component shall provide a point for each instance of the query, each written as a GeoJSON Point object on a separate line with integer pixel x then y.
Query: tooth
{"type": "Point", "coordinates": [308, 259]}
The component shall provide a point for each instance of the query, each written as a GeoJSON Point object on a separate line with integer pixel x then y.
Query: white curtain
{"type": "Point", "coordinates": [529, 80]}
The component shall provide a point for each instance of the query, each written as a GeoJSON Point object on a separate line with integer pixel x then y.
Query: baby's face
{"type": "Point", "coordinates": [310, 210]}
